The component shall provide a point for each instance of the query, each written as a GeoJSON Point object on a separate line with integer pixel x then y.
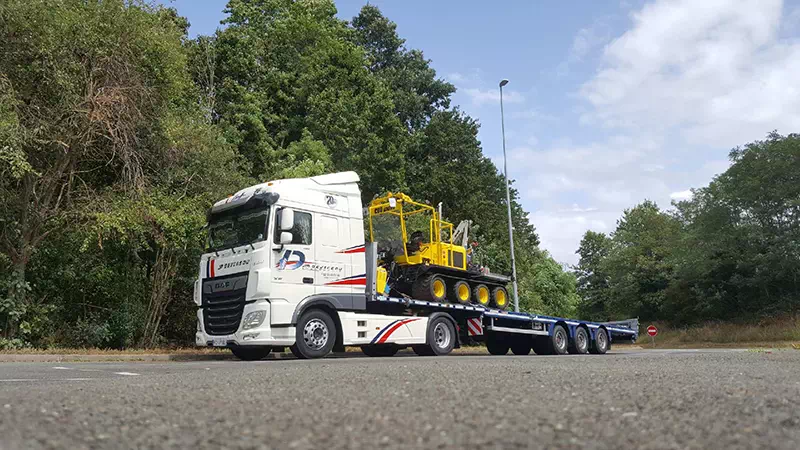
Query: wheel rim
{"type": "Point", "coordinates": [438, 288]}
{"type": "Point", "coordinates": [601, 340]}
{"type": "Point", "coordinates": [463, 292]}
{"type": "Point", "coordinates": [315, 334]}
{"type": "Point", "coordinates": [483, 295]}
{"type": "Point", "coordinates": [560, 338]}
{"type": "Point", "coordinates": [581, 340]}
{"type": "Point", "coordinates": [500, 298]}
{"type": "Point", "coordinates": [441, 335]}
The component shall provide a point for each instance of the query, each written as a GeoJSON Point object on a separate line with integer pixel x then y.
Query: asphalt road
{"type": "Point", "coordinates": [637, 399]}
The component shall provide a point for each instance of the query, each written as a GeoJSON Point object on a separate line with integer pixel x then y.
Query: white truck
{"type": "Point", "coordinates": [287, 266]}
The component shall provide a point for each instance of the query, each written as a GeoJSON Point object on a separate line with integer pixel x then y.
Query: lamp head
{"type": "Point", "coordinates": [503, 83]}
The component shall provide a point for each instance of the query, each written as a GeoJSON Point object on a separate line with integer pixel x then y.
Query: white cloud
{"type": "Point", "coordinates": [480, 96]}
{"type": "Point", "coordinates": [688, 81]}
{"type": "Point", "coordinates": [714, 71]}
{"type": "Point", "coordinates": [455, 77]}
{"type": "Point", "coordinates": [681, 195]}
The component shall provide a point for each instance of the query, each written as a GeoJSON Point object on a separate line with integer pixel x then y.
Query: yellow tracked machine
{"type": "Point", "coordinates": [418, 256]}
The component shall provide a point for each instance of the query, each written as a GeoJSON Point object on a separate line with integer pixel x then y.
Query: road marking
{"type": "Point", "coordinates": [62, 368]}
{"type": "Point", "coordinates": [14, 380]}
{"type": "Point", "coordinates": [126, 373]}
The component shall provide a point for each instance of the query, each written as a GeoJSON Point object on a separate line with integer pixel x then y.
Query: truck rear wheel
{"type": "Point", "coordinates": [441, 336]}
{"type": "Point", "coordinates": [316, 334]}
{"type": "Point", "coordinates": [481, 294]}
{"type": "Point", "coordinates": [579, 345]}
{"type": "Point", "coordinates": [251, 353]}
{"type": "Point", "coordinates": [380, 350]}
{"type": "Point", "coordinates": [559, 341]}
{"type": "Point", "coordinates": [600, 344]}
{"type": "Point", "coordinates": [496, 345]}
{"type": "Point", "coordinates": [460, 293]}
{"type": "Point", "coordinates": [430, 287]}
{"type": "Point", "coordinates": [500, 297]}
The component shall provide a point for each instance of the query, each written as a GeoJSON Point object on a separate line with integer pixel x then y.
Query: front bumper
{"type": "Point", "coordinates": [262, 335]}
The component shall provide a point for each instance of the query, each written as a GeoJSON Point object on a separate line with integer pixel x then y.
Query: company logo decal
{"type": "Point", "coordinates": [286, 263]}
{"type": "Point", "coordinates": [330, 201]}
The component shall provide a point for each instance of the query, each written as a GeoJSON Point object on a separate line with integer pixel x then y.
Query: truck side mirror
{"type": "Point", "coordinates": [286, 237]}
{"type": "Point", "coordinates": [286, 219]}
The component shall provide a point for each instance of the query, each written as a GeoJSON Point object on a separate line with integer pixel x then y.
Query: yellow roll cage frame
{"type": "Point", "coordinates": [433, 252]}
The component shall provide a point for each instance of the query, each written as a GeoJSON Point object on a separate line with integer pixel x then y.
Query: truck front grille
{"type": "Point", "coordinates": [223, 304]}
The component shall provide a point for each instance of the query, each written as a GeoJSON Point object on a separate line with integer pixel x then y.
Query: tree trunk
{"type": "Point", "coordinates": [160, 289]}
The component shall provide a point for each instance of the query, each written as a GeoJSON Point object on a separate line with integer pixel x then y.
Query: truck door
{"type": "Point", "coordinates": [294, 267]}
{"type": "Point", "coordinates": [333, 262]}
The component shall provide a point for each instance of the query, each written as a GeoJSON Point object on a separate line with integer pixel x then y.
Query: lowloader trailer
{"type": "Point", "coordinates": [287, 266]}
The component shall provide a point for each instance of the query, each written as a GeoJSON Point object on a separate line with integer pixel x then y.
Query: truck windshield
{"type": "Point", "coordinates": [232, 229]}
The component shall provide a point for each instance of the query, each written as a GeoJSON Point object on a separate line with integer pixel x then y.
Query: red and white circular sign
{"type": "Point", "coordinates": [652, 330]}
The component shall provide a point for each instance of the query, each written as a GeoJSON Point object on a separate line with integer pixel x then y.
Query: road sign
{"type": "Point", "coordinates": [652, 330]}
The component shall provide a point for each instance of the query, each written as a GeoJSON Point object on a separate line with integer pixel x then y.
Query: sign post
{"type": "Point", "coordinates": [652, 331]}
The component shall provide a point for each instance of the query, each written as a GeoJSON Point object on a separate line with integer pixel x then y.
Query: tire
{"type": "Point", "coordinates": [541, 345]}
{"type": "Point", "coordinates": [422, 350]}
{"type": "Point", "coordinates": [441, 337]}
{"type": "Point", "coordinates": [431, 288]}
{"type": "Point", "coordinates": [460, 293]}
{"type": "Point", "coordinates": [482, 295]}
{"type": "Point", "coordinates": [496, 345]}
{"type": "Point", "coordinates": [600, 344]}
{"type": "Point", "coordinates": [316, 334]}
{"type": "Point", "coordinates": [559, 341]}
{"type": "Point", "coordinates": [500, 298]}
{"type": "Point", "coordinates": [521, 347]}
{"type": "Point", "coordinates": [579, 345]}
{"type": "Point", "coordinates": [251, 353]}
{"type": "Point", "coordinates": [380, 350]}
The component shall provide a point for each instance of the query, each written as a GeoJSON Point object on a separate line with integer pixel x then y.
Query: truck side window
{"type": "Point", "coordinates": [301, 231]}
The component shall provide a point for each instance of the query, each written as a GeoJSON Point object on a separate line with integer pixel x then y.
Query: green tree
{"type": "Point", "coordinates": [416, 91]}
{"type": "Point", "coordinates": [593, 281]}
{"type": "Point", "coordinates": [284, 68]}
{"type": "Point", "coordinates": [639, 266]}
{"type": "Point", "coordinates": [741, 250]}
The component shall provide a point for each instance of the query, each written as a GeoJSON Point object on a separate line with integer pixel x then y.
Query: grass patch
{"type": "Point", "coordinates": [772, 332]}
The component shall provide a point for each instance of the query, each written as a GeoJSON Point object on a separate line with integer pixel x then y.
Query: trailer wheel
{"type": "Point", "coordinates": [430, 287]}
{"type": "Point", "coordinates": [579, 345]}
{"type": "Point", "coordinates": [496, 345]}
{"type": "Point", "coordinates": [379, 350]}
{"type": "Point", "coordinates": [460, 293]}
{"type": "Point", "coordinates": [316, 334]}
{"type": "Point", "coordinates": [541, 345]}
{"type": "Point", "coordinates": [600, 344]}
{"type": "Point", "coordinates": [559, 340]}
{"type": "Point", "coordinates": [481, 294]}
{"type": "Point", "coordinates": [500, 297]}
{"type": "Point", "coordinates": [251, 353]}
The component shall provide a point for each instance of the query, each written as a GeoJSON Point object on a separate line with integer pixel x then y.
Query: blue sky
{"type": "Point", "coordinates": [609, 102]}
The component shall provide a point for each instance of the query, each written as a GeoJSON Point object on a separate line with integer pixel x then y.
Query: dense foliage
{"type": "Point", "coordinates": [732, 251]}
{"type": "Point", "coordinates": [117, 131]}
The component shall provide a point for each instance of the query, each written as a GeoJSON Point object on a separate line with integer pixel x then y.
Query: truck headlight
{"type": "Point", "coordinates": [196, 293]}
{"type": "Point", "coordinates": [254, 319]}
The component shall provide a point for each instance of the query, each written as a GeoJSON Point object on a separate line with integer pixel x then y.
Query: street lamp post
{"type": "Point", "coordinates": [508, 201]}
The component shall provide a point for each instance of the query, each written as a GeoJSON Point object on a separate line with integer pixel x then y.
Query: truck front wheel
{"type": "Point", "coordinates": [251, 353]}
{"type": "Point", "coordinates": [316, 334]}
